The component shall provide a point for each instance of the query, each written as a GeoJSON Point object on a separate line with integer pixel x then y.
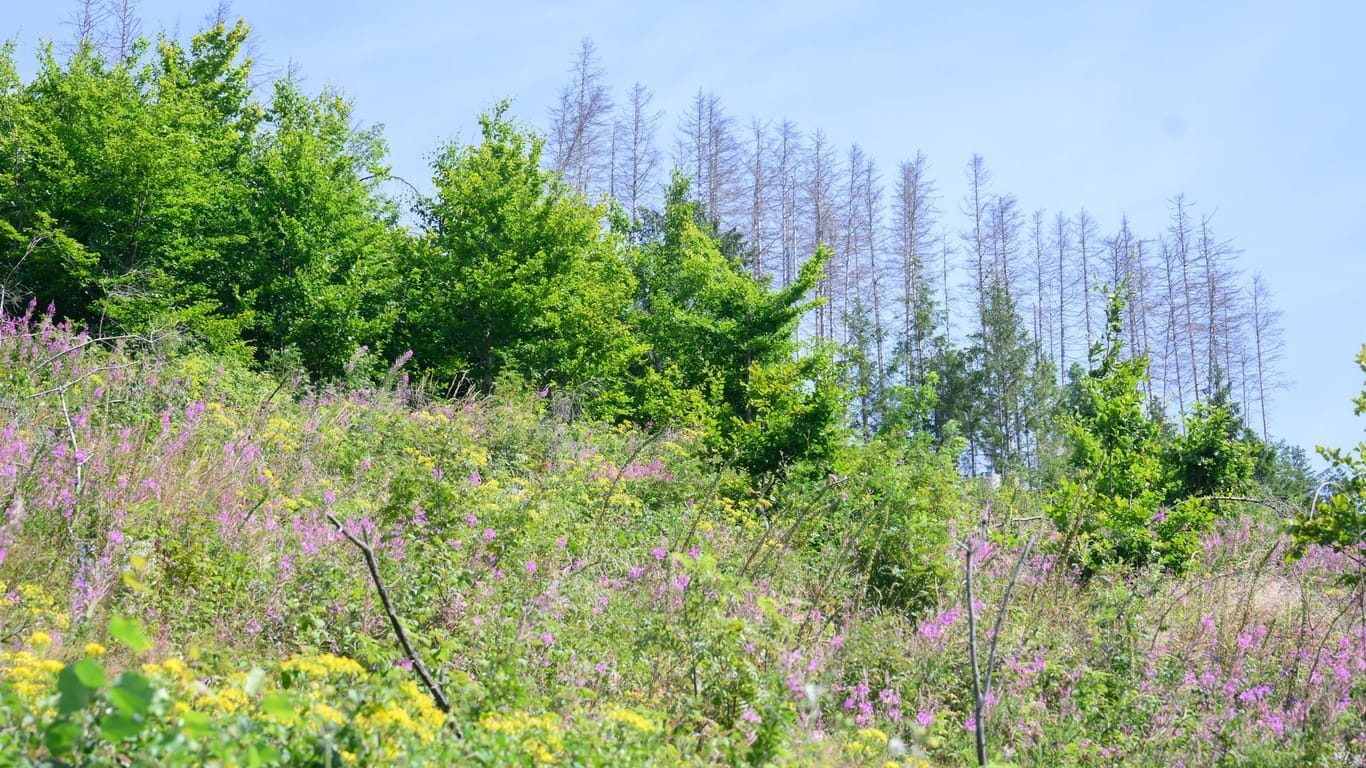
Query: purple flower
{"type": "Point", "coordinates": [547, 638]}
{"type": "Point", "coordinates": [530, 566]}
{"type": "Point", "coordinates": [490, 534]}
{"type": "Point", "coordinates": [659, 553]}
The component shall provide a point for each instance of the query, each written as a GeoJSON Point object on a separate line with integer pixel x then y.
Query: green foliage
{"type": "Point", "coordinates": [156, 192]}
{"type": "Point", "coordinates": [517, 273]}
{"type": "Point", "coordinates": [1014, 393]}
{"type": "Point", "coordinates": [905, 495]}
{"type": "Point", "coordinates": [1138, 494]}
{"type": "Point", "coordinates": [711, 327]}
{"type": "Point", "coordinates": [324, 277]}
{"type": "Point", "coordinates": [1339, 519]}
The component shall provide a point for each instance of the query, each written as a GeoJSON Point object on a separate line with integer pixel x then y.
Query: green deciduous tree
{"type": "Point", "coordinates": [712, 327]}
{"type": "Point", "coordinates": [124, 194]}
{"type": "Point", "coordinates": [323, 240]}
{"type": "Point", "coordinates": [516, 273]}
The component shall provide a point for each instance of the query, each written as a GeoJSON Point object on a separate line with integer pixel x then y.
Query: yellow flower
{"type": "Point", "coordinates": [873, 735]}
{"type": "Point", "coordinates": [328, 714]}
{"type": "Point", "coordinates": [40, 639]}
{"type": "Point", "coordinates": [94, 649]}
{"type": "Point", "coordinates": [633, 719]}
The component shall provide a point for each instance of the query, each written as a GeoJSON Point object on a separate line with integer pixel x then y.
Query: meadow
{"type": "Point", "coordinates": [186, 583]}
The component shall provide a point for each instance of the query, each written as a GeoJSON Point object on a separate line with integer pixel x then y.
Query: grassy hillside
{"type": "Point", "coordinates": [185, 584]}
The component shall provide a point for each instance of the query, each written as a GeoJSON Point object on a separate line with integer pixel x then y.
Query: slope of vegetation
{"type": "Point", "coordinates": [289, 479]}
{"type": "Point", "coordinates": [177, 592]}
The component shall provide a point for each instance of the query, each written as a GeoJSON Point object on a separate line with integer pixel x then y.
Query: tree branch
{"type": "Point", "coordinates": [438, 696]}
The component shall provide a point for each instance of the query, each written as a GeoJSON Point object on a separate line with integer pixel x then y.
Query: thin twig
{"type": "Point", "coordinates": [1001, 613]}
{"type": "Point", "coordinates": [438, 696]}
{"type": "Point", "coordinates": [979, 727]}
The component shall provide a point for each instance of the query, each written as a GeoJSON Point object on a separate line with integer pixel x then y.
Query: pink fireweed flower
{"type": "Point", "coordinates": [475, 479]}
{"type": "Point", "coordinates": [547, 638]}
{"type": "Point", "coordinates": [530, 566]}
{"type": "Point", "coordinates": [659, 553]}
{"type": "Point", "coordinates": [470, 519]}
{"type": "Point", "coordinates": [490, 534]}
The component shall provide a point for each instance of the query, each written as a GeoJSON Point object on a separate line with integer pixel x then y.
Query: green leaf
{"type": "Point", "coordinates": [90, 673]}
{"type": "Point", "coordinates": [75, 695]}
{"type": "Point", "coordinates": [129, 632]}
{"type": "Point", "coordinates": [117, 727]}
{"type": "Point", "coordinates": [61, 737]}
{"type": "Point", "coordinates": [279, 705]}
{"type": "Point", "coordinates": [196, 724]}
{"type": "Point", "coordinates": [132, 694]}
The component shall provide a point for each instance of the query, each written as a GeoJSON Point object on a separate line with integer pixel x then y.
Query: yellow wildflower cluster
{"type": "Point", "coordinates": [324, 665]}
{"type": "Point", "coordinates": [225, 701]}
{"type": "Point", "coordinates": [29, 605]}
{"type": "Point", "coordinates": [279, 431]}
{"type": "Point", "coordinates": [28, 675]}
{"type": "Point", "coordinates": [422, 459]}
{"type": "Point", "coordinates": [173, 667]}
{"type": "Point", "coordinates": [539, 735]}
{"type": "Point", "coordinates": [412, 712]}
{"type": "Point", "coordinates": [632, 718]}
{"type": "Point", "coordinates": [873, 736]}
{"type": "Point", "coordinates": [219, 415]}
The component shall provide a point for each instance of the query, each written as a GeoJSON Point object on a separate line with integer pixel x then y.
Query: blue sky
{"type": "Point", "coordinates": [1253, 110]}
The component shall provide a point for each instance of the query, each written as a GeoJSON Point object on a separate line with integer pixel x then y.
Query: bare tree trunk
{"type": "Point", "coordinates": [1043, 330]}
{"type": "Point", "coordinates": [127, 28]}
{"type": "Point", "coordinates": [707, 145]}
{"type": "Point", "coordinates": [914, 217]}
{"type": "Point", "coordinates": [789, 144]}
{"type": "Point", "coordinates": [975, 205]}
{"type": "Point", "coordinates": [1268, 343]}
{"type": "Point", "coordinates": [1086, 235]}
{"type": "Point", "coordinates": [872, 214]}
{"type": "Point", "coordinates": [581, 128]}
{"type": "Point", "coordinates": [1180, 230]}
{"type": "Point", "coordinates": [820, 199]}
{"type": "Point", "coordinates": [86, 24]}
{"type": "Point", "coordinates": [759, 173]}
{"type": "Point", "coordinates": [1062, 242]}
